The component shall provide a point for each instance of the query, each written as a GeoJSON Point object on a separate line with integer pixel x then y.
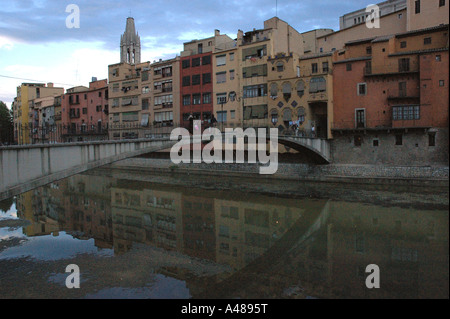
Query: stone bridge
{"type": "Point", "coordinates": [23, 168]}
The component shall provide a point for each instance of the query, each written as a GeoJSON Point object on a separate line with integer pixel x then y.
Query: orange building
{"type": "Point", "coordinates": [391, 99]}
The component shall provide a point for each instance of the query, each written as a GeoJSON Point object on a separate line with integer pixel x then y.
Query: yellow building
{"type": "Point", "coordinates": [26, 93]}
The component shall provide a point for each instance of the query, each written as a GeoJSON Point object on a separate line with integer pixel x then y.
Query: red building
{"type": "Point", "coordinates": [196, 87]}
{"type": "Point", "coordinates": [84, 112]}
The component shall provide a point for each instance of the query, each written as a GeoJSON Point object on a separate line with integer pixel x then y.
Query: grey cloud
{"type": "Point", "coordinates": [44, 21]}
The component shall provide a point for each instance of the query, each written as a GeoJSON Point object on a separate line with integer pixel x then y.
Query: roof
{"type": "Point", "coordinates": [365, 58]}
{"type": "Point", "coordinates": [419, 52]}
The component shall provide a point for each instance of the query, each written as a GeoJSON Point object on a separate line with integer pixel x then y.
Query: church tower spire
{"type": "Point", "coordinates": [130, 44]}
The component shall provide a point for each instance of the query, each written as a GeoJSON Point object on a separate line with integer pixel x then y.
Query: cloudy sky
{"type": "Point", "coordinates": [35, 43]}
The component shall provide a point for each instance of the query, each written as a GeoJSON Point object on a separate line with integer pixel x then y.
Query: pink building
{"type": "Point", "coordinates": [84, 112]}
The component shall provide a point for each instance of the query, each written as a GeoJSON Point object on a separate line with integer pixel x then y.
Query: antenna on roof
{"type": "Point", "coordinates": [276, 8]}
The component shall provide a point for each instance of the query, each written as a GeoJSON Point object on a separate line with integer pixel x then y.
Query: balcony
{"type": "Point", "coordinates": [391, 70]}
{"type": "Point", "coordinates": [366, 125]}
{"type": "Point", "coordinates": [318, 97]}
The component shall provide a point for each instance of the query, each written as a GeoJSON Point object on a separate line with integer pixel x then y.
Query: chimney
{"type": "Point", "coordinates": [240, 37]}
{"type": "Point", "coordinates": [216, 32]}
{"type": "Point", "coordinates": [94, 79]}
{"type": "Point", "coordinates": [50, 85]}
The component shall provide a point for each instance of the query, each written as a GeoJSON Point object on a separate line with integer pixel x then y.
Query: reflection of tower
{"type": "Point", "coordinates": [130, 44]}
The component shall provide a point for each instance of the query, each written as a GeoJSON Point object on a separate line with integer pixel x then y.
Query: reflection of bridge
{"type": "Point", "coordinates": [23, 168]}
{"type": "Point", "coordinates": [311, 221]}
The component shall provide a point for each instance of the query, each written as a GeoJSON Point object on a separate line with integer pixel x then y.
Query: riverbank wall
{"type": "Point", "coordinates": [427, 176]}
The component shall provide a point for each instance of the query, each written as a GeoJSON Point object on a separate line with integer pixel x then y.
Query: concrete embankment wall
{"type": "Point", "coordinates": [364, 174]}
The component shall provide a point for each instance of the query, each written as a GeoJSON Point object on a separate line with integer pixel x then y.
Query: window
{"type": "Point", "coordinates": [432, 139]}
{"type": "Point", "coordinates": [362, 89]}
{"type": "Point", "coordinates": [232, 114]}
{"type": "Point", "coordinates": [400, 15]}
{"type": "Point", "coordinates": [403, 44]}
{"type": "Point", "coordinates": [200, 48]}
{"type": "Point", "coordinates": [221, 60]}
{"type": "Point", "coordinates": [441, 3]}
{"type": "Point", "coordinates": [257, 70]}
{"type": "Point", "coordinates": [417, 6]}
{"type": "Point", "coordinates": [232, 75]}
{"type": "Point", "coordinates": [186, 100]}
{"type": "Point", "coordinates": [427, 40]}
{"type": "Point", "coordinates": [145, 89]}
{"type": "Point", "coordinates": [255, 90]}
{"type": "Point", "coordinates": [196, 79]}
{"type": "Point", "coordinates": [84, 110]}
{"type": "Point", "coordinates": [222, 116]}
{"type": "Point", "coordinates": [231, 56]}
{"type": "Point", "coordinates": [206, 60]}
{"type": "Point", "coordinates": [369, 50]}
{"type": "Point", "coordinates": [232, 96]}
{"type": "Point", "coordinates": [325, 67]}
{"type": "Point", "coordinates": [314, 68]}
{"type": "Point", "coordinates": [398, 139]}
{"type": "Point", "coordinates": [280, 67]}
{"type": "Point", "coordinates": [157, 86]}
{"type": "Point", "coordinates": [273, 91]}
{"type": "Point", "coordinates": [195, 62]}
{"type": "Point", "coordinates": [144, 76]}
{"type": "Point", "coordinates": [287, 91]}
{"type": "Point", "coordinates": [349, 66]}
{"type": "Point", "coordinates": [196, 99]}
{"type": "Point", "coordinates": [185, 64]}
{"type": "Point", "coordinates": [375, 142]}
{"type": "Point", "coordinates": [221, 98]}
{"type": "Point", "coordinates": [441, 82]}
{"type": "Point", "coordinates": [409, 112]}
{"type": "Point", "coordinates": [317, 84]}
{"type": "Point", "coordinates": [403, 65]}
{"type": "Point", "coordinates": [206, 98]}
{"type": "Point", "coordinates": [164, 117]}
{"type": "Point", "coordinates": [145, 104]}
{"type": "Point", "coordinates": [300, 88]}
{"type": "Point", "coordinates": [221, 77]}
{"type": "Point", "coordinates": [186, 80]}
{"type": "Point", "coordinates": [438, 58]}
{"type": "Point", "coordinates": [360, 117]}
{"type": "Point", "coordinates": [99, 94]}
{"type": "Point", "coordinates": [298, 71]}
{"type": "Point", "coordinates": [206, 78]}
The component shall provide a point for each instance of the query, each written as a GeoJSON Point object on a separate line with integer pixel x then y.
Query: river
{"type": "Point", "coordinates": [139, 235]}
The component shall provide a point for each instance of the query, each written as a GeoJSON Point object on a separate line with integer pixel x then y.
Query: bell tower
{"type": "Point", "coordinates": [130, 44]}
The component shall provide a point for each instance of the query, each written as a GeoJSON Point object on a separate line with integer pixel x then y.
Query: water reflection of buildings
{"type": "Point", "coordinates": [146, 216]}
{"type": "Point", "coordinates": [246, 230]}
{"type": "Point", "coordinates": [410, 246]}
{"type": "Point", "coordinates": [79, 205]}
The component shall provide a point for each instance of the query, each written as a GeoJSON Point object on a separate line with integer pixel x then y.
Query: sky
{"type": "Point", "coordinates": [37, 45]}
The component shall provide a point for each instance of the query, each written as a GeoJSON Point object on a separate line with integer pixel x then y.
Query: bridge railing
{"type": "Point", "coordinates": [27, 134]}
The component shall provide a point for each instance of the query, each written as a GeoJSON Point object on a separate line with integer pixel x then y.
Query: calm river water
{"type": "Point", "coordinates": [154, 236]}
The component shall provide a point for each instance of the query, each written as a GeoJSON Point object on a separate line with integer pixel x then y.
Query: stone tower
{"type": "Point", "coordinates": [130, 44]}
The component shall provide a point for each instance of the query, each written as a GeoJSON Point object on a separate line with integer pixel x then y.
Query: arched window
{"type": "Point", "coordinates": [274, 117]}
{"type": "Point", "coordinates": [287, 116]}
{"type": "Point", "coordinates": [300, 88]}
{"type": "Point", "coordinates": [301, 113]}
{"type": "Point", "coordinates": [274, 91]}
{"type": "Point", "coordinates": [287, 89]}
